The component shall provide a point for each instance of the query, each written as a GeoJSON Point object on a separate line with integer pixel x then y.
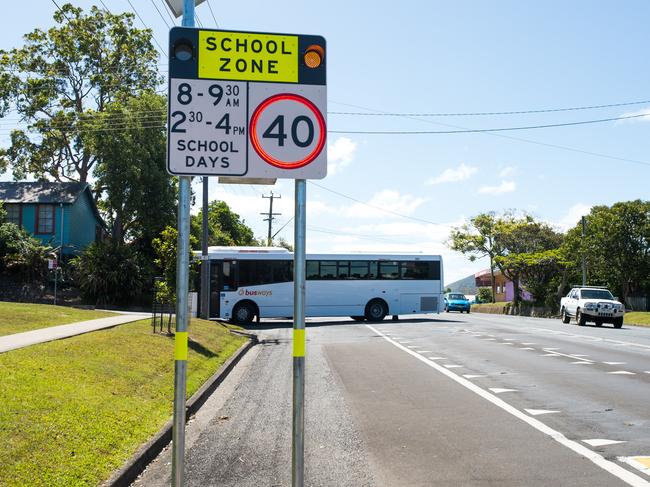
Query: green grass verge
{"type": "Point", "coordinates": [641, 318]}
{"type": "Point", "coordinates": [19, 317]}
{"type": "Point", "coordinates": [74, 410]}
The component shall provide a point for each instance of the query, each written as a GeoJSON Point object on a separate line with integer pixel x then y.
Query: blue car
{"type": "Point", "coordinates": [456, 302]}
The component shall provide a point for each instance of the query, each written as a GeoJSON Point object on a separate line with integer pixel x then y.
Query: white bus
{"type": "Point", "coordinates": [248, 283]}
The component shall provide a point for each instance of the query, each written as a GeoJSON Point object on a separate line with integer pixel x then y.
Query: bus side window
{"type": "Point", "coordinates": [416, 270]}
{"type": "Point", "coordinates": [344, 269]}
{"type": "Point", "coordinates": [372, 271]}
{"type": "Point", "coordinates": [389, 270]}
{"type": "Point", "coordinates": [312, 269]}
{"type": "Point", "coordinates": [327, 269]}
{"type": "Point", "coordinates": [359, 269]}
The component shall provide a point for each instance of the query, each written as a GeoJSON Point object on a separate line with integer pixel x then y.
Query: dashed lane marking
{"type": "Point", "coordinates": [597, 339]}
{"type": "Point", "coordinates": [451, 366]}
{"type": "Point", "coordinates": [601, 442]}
{"type": "Point", "coordinates": [537, 412]}
{"type": "Point", "coordinates": [641, 463]}
{"type": "Point", "coordinates": [551, 355]}
{"type": "Point", "coordinates": [622, 372]}
{"type": "Point", "coordinates": [568, 355]}
{"type": "Point", "coordinates": [526, 348]}
{"type": "Point", "coordinates": [473, 376]}
{"type": "Point", "coordinates": [500, 390]}
{"type": "Point", "coordinates": [436, 358]}
{"type": "Point", "coordinates": [613, 468]}
{"type": "Point", "coordinates": [614, 363]}
{"type": "Point", "coordinates": [506, 343]}
{"type": "Point", "coordinates": [582, 362]}
{"type": "Point", "coordinates": [529, 343]}
{"type": "Point", "coordinates": [489, 339]}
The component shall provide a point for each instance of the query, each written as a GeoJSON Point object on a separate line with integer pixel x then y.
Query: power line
{"type": "Point", "coordinates": [198, 20]}
{"type": "Point", "coordinates": [59, 8]}
{"type": "Point", "coordinates": [166, 9]}
{"type": "Point", "coordinates": [212, 13]}
{"type": "Point", "coordinates": [159, 13]}
{"type": "Point", "coordinates": [519, 139]}
{"type": "Point", "coordinates": [420, 220]}
{"type": "Point", "coordinates": [499, 129]}
{"type": "Point", "coordinates": [475, 114]}
{"type": "Point", "coordinates": [162, 51]}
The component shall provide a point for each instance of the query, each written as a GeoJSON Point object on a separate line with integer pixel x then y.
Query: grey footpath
{"type": "Point", "coordinates": [42, 335]}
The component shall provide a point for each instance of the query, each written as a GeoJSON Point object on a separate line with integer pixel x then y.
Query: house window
{"type": "Point", "coordinates": [14, 214]}
{"type": "Point", "coordinates": [45, 219]}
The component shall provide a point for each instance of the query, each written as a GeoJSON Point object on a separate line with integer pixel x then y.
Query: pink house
{"type": "Point", "coordinates": [504, 289]}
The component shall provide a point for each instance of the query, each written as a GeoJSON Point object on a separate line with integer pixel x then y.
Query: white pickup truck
{"type": "Point", "coordinates": [591, 304]}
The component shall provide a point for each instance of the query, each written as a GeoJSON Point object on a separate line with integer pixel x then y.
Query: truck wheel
{"type": "Point", "coordinates": [580, 318]}
{"type": "Point", "coordinates": [565, 317]}
{"type": "Point", "coordinates": [376, 310]}
{"type": "Point", "coordinates": [618, 322]}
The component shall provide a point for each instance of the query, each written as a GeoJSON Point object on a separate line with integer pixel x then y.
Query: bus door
{"type": "Point", "coordinates": [222, 278]}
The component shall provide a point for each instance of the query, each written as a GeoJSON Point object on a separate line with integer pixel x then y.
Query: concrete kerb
{"type": "Point", "coordinates": [129, 472]}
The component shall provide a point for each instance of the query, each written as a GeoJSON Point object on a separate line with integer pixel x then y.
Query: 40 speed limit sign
{"type": "Point", "coordinates": [247, 104]}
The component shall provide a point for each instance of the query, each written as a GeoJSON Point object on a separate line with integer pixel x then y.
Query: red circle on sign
{"type": "Point", "coordinates": [268, 157]}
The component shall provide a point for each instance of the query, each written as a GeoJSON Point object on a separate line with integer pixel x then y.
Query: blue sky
{"type": "Point", "coordinates": [454, 56]}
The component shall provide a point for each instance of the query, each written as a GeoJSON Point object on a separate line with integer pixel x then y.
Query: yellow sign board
{"type": "Point", "coordinates": [247, 56]}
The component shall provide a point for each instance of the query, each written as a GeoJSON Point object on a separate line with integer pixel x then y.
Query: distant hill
{"type": "Point", "coordinates": [466, 285]}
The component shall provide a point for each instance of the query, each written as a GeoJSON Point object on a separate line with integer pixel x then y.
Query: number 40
{"type": "Point", "coordinates": [276, 131]}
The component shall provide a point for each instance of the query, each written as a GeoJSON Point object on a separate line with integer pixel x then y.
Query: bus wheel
{"type": "Point", "coordinates": [243, 313]}
{"type": "Point", "coordinates": [376, 310]}
{"type": "Point", "coordinates": [358, 318]}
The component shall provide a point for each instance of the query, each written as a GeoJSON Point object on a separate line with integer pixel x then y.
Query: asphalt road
{"type": "Point", "coordinates": [449, 400]}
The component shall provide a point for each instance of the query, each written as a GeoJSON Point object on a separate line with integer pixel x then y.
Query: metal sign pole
{"type": "Point", "coordinates": [205, 269]}
{"type": "Point", "coordinates": [299, 271]}
{"type": "Point", "coordinates": [182, 284]}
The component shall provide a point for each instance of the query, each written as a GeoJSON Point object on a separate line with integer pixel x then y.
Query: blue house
{"type": "Point", "coordinates": [58, 214]}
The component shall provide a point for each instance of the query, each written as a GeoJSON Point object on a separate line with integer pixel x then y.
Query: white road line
{"type": "Point", "coordinates": [537, 412]}
{"type": "Point", "coordinates": [425, 351]}
{"type": "Point", "coordinates": [526, 348]}
{"type": "Point", "coordinates": [451, 366]}
{"type": "Point", "coordinates": [580, 355]}
{"type": "Point", "coordinates": [634, 462]}
{"type": "Point", "coordinates": [596, 339]}
{"type": "Point", "coordinates": [622, 372]}
{"type": "Point", "coordinates": [499, 390]}
{"type": "Point", "coordinates": [509, 339]}
{"type": "Point", "coordinates": [601, 442]}
{"type": "Point", "coordinates": [473, 376]}
{"type": "Point", "coordinates": [506, 343]}
{"type": "Point", "coordinates": [489, 339]}
{"type": "Point", "coordinates": [436, 358]}
{"type": "Point", "coordinates": [551, 355]}
{"type": "Point", "coordinates": [582, 362]}
{"type": "Point", "coordinates": [550, 349]}
{"type": "Point", "coordinates": [607, 465]}
{"type": "Point", "coordinates": [568, 355]}
{"type": "Point", "coordinates": [647, 372]}
{"type": "Point", "coordinates": [614, 363]}
{"type": "Point", "coordinates": [529, 343]}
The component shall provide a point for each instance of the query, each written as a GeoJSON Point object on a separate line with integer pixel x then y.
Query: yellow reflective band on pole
{"type": "Point", "coordinates": [180, 346]}
{"type": "Point", "coordinates": [299, 342]}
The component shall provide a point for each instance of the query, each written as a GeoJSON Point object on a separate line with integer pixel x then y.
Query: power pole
{"type": "Point", "coordinates": [270, 217]}
{"type": "Point", "coordinates": [584, 262]}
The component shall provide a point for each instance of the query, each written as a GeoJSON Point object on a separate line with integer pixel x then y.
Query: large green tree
{"type": "Point", "coordinates": [616, 247]}
{"type": "Point", "coordinates": [523, 241]}
{"type": "Point", "coordinates": [58, 82]}
{"type": "Point", "coordinates": [478, 239]}
{"type": "Point", "coordinates": [225, 227]}
{"type": "Point", "coordinates": [139, 197]}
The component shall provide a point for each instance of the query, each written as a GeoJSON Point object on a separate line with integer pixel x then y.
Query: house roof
{"type": "Point", "coordinates": [41, 192]}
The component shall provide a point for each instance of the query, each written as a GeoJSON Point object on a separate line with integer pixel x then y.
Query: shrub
{"type": "Point", "coordinates": [108, 273]}
{"type": "Point", "coordinates": [484, 295]}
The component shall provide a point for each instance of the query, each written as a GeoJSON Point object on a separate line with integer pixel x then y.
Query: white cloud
{"type": "Point", "coordinates": [507, 171]}
{"type": "Point", "coordinates": [504, 187]}
{"type": "Point", "coordinates": [642, 115]}
{"type": "Point", "coordinates": [387, 199]}
{"type": "Point", "coordinates": [451, 175]}
{"type": "Point", "coordinates": [572, 217]}
{"type": "Point", "coordinates": [340, 154]}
